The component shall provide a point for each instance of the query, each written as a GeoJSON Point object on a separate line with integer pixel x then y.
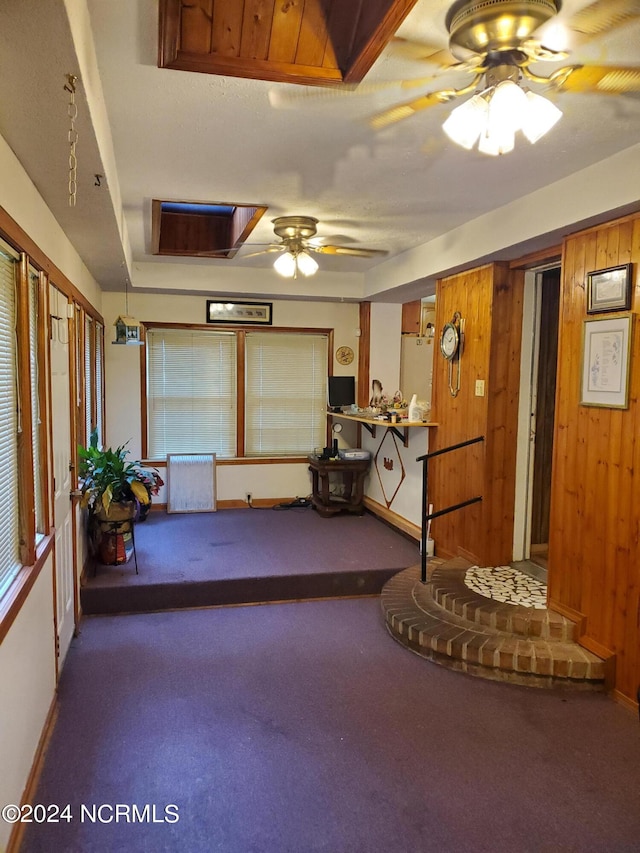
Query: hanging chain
{"type": "Point", "coordinates": [72, 112]}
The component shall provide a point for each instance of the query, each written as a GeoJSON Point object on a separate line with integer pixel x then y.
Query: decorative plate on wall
{"type": "Point", "coordinates": [344, 355]}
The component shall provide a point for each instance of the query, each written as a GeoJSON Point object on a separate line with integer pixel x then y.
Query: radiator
{"type": "Point", "coordinates": [191, 482]}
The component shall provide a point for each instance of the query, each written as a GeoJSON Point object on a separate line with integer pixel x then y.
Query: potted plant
{"type": "Point", "coordinates": [112, 490]}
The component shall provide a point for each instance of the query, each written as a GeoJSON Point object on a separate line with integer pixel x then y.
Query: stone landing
{"type": "Point", "coordinates": [450, 624]}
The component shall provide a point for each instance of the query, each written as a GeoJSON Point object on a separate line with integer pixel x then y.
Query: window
{"type": "Point", "coordinates": [191, 392]}
{"type": "Point", "coordinates": [286, 393]}
{"type": "Point", "coordinates": [196, 403]}
{"type": "Point", "coordinates": [90, 367]}
{"type": "Point", "coordinates": [9, 520]}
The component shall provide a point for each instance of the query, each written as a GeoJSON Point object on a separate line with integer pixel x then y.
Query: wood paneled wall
{"type": "Point", "coordinates": [594, 551]}
{"type": "Point", "coordinates": [489, 300]}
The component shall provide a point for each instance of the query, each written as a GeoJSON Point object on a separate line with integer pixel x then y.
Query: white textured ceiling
{"type": "Point", "coordinates": [187, 136]}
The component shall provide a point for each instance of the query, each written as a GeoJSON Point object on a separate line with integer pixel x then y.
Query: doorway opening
{"type": "Point", "coordinates": [536, 418]}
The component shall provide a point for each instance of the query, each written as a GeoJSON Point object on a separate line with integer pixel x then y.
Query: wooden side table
{"type": "Point", "coordinates": [352, 472]}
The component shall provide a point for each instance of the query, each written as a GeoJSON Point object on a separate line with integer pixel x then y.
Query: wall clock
{"type": "Point", "coordinates": [450, 340]}
{"type": "Point", "coordinates": [450, 347]}
{"type": "Point", "coordinates": [344, 355]}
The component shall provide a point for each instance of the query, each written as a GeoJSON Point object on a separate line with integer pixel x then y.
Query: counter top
{"type": "Point", "coordinates": [400, 428]}
{"type": "Point", "coordinates": [379, 422]}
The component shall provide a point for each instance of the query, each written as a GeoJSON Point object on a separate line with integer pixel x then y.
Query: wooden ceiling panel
{"type": "Point", "coordinates": [314, 42]}
{"type": "Point", "coordinates": [227, 28]}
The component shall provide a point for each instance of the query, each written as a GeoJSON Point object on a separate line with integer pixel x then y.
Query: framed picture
{"type": "Point", "coordinates": [606, 351]}
{"type": "Point", "coordinates": [244, 313]}
{"type": "Point", "coordinates": [609, 290]}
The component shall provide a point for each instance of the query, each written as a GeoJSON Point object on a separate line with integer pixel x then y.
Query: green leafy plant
{"type": "Point", "coordinates": [107, 477]}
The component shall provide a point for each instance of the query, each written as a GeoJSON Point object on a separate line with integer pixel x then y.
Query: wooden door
{"type": "Point", "coordinates": [545, 411]}
{"type": "Point", "coordinates": [62, 509]}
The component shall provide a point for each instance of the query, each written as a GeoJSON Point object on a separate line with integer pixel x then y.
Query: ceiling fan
{"type": "Point", "coordinates": [495, 41]}
{"type": "Point", "coordinates": [296, 233]}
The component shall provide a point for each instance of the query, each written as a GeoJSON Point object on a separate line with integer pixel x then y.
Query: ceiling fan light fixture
{"type": "Point", "coordinates": [496, 141]}
{"type": "Point", "coordinates": [467, 122]}
{"type": "Point", "coordinates": [285, 265]}
{"type": "Point", "coordinates": [306, 264]}
{"type": "Point", "coordinates": [507, 108]}
{"type": "Point", "coordinates": [289, 264]}
{"type": "Point", "coordinates": [541, 115]}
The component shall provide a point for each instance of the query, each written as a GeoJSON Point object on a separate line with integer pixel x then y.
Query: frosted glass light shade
{"type": "Point", "coordinates": [497, 141]}
{"type": "Point", "coordinates": [540, 116]}
{"type": "Point", "coordinates": [285, 265]}
{"type": "Point", "coordinates": [306, 264]}
{"type": "Point", "coordinates": [507, 108]}
{"type": "Point", "coordinates": [466, 122]}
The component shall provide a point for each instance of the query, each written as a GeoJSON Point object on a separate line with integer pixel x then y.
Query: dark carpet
{"type": "Point", "coordinates": [296, 728]}
{"type": "Point", "coordinates": [240, 543]}
{"type": "Point", "coordinates": [236, 556]}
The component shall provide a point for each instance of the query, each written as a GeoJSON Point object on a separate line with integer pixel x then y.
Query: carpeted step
{"type": "Point", "coordinates": [145, 598]}
{"type": "Point", "coordinates": [415, 619]}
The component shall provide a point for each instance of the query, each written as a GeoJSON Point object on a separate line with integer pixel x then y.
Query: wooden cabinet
{"type": "Point", "coordinates": [411, 312]}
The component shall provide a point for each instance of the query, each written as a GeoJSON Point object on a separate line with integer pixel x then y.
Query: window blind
{"type": "Point", "coordinates": [286, 393]}
{"type": "Point", "coordinates": [9, 530]}
{"type": "Point", "coordinates": [36, 424]}
{"type": "Point", "coordinates": [191, 392]}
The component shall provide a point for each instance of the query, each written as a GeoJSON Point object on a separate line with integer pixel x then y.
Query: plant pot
{"type": "Point", "coordinates": [111, 532]}
{"type": "Point", "coordinates": [124, 511]}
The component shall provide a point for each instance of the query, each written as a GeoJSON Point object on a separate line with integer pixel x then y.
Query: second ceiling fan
{"type": "Point", "coordinates": [296, 247]}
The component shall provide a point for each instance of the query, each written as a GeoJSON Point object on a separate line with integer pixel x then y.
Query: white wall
{"type": "Point", "coordinates": [123, 381]}
{"type": "Point", "coordinates": [20, 198]}
{"type": "Point", "coordinates": [384, 355]}
{"type": "Point", "coordinates": [27, 675]}
{"type": "Point", "coordinates": [397, 487]}
{"type": "Point", "coordinates": [554, 211]}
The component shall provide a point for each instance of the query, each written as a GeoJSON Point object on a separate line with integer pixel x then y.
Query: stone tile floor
{"type": "Point", "coordinates": [507, 585]}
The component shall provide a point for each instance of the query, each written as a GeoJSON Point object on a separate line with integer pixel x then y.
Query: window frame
{"type": "Point", "coordinates": [240, 332]}
{"type": "Point", "coordinates": [38, 552]}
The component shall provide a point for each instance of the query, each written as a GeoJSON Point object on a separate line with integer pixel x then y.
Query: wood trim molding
{"type": "Point", "coordinates": [542, 256]}
{"type": "Point", "coordinates": [16, 595]}
{"type": "Point", "coordinates": [378, 40]}
{"type": "Point", "coordinates": [574, 615]}
{"type": "Point", "coordinates": [364, 354]}
{"type": "Point", "coordinates": [241, 341]}
{"type": "Point", "coordinates": [233, 327]}
{"type": "Point", "coordinates": [26, 486]}
{"type": "Point", "coordinates": [19, 239]}
{"type": "Point", "coordinates": [393, 519]}
{"type": "Point", "coordinates": [628, 703]}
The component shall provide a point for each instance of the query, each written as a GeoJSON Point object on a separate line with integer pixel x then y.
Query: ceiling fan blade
{"type": "Point", "coordinates": [292, 97]}
{"type": "Point", "coordinates": [402, 111]}
{"type": "Point", "coordinates": [289, 97]}
{"type": "Point", "coordinates": [602, 16]}
{"type": "Point", "coordinates": [268, 250]}
{"type": "Point", "coordinates": [347, 250]}
{"type": "Point", "coordinates": [422, 51]}
{"type": "Point", "coordinates": [606, 79]}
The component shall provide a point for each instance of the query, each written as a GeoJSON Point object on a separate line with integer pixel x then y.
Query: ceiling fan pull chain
{"type": "Point", "coordinates": [72, 136]}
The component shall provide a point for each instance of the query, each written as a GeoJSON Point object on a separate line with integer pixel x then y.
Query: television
{"type": "Point", "coordinates": [341, 391]}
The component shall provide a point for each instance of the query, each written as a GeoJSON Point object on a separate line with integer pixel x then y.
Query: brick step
{"type": "Point", "coordinates": [415, 619]}
{"type": "Point", "coordinates": [448, 589]}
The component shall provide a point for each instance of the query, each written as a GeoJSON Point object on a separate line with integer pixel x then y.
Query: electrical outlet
{"type": "Point", "coordinates": [479, 387]}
